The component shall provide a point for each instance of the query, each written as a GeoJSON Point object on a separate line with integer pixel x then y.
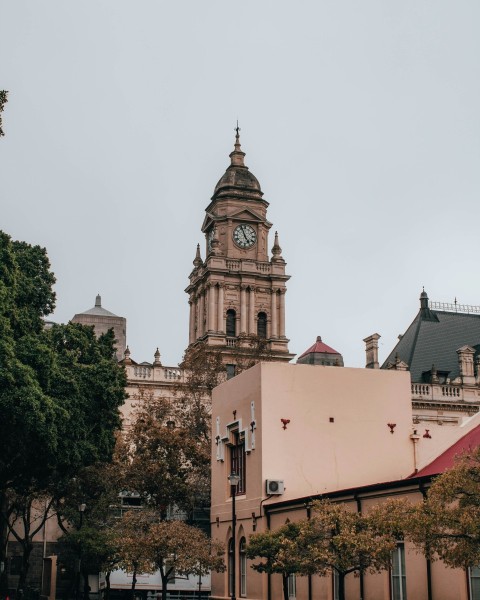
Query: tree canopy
{"type": "Point", "coordinates": [334, 540]}
{"type": "Point", "coordinates": [283, 551]}
{"type": "Point", "coordinates": [446, 525]}
{"type": "Point", "coordinates": [60, 390]}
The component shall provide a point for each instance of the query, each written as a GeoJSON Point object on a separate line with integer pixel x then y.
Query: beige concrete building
{"type": "Point", "coordinates": [296, 432]}
{"type": "Point", "coordinates": [103, 320]}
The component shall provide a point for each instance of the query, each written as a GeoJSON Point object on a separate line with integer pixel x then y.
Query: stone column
{"type": "Point", "coordinates": [191, 328]}
{"type": "Point", "coordinates": [243, 309]}
{"type": "Point", "coordinates": [371, 350]}
{"type": "Point", "coordinates": [251, 312]}
{"type": "Point", "coordinates": [200, 314]}
{"type": "Point", "coordinates": [282, 313]}
{"type": "Point", "coordinates": [211, 307]}
{"type": "Point", "coordinates": [274, 332]}
{"type": "Point", "coordinates": [220, 323]}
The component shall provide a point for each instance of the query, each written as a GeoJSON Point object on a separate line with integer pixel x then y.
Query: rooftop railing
{"type": "Point", "coordinates": [455, 307]}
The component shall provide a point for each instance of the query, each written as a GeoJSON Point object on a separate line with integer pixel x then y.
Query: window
{"type": "Point", "coordinates": [399, 589]}
{"type": "Point", "coordinates": [292, 586]}
{"type": "Point", "coordinates": [230, 371]}
{"type": "Point", "coordinates": [230, 567]}
{"type": "Point", "coordinates": [231, 323]}
{"type": "Point", "coordinates": [474, 576]}
{"type": "Point", "coordinates": [243, 568]}
{"type": "Point", "coordinates": [262, 325]}
{"type": "Point", "coordinates": [15, 565]}
{"type": "Point", "coordinates": [237, 461]}
{"type": "Point", "coordinates": [336, 594]}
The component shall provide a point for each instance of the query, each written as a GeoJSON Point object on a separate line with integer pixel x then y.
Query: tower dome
{"type": "Point", "coordinates": [237, 179]}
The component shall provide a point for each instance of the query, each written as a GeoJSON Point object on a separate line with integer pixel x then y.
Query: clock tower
{"type": "Point", "coordinates": [238, 292]}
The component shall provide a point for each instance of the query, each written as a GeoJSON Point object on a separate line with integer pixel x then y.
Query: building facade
{"type": "Point", "coordinates": [294, 433]}
{"type": "Point", "coordinates": [441, 351]}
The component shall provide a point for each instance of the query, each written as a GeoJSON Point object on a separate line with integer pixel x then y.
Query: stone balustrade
{"type": "Point", "coordinates": [436, 392]}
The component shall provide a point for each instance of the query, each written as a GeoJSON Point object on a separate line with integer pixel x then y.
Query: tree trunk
{"type": "Point", "coordinates": [134, 582]}
{"type": "Point", "coordinates": [27, 550]}
{"type": "Point", "coordinates": [107, 587]}
{"type": "Point", "coordinates": [164, 584]}
{"type": "Point", "coordinates": [285, 586]}
{"type": "Point", "coordinates": [341, 586]}
{"type": "Point", "coordinates": [86, 586]}
{"type": "Point", "coordinates": [3, 549]}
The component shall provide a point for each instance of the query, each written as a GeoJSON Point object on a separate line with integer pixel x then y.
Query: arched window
{"type": "Point", "coordinates": [243, 568]}
{"type": "Point", "coordinates": [231, 323]}
{"type": "Point", "coordinates": [230, 567]}
{"type": "Point", "coordinates": [262, 325]}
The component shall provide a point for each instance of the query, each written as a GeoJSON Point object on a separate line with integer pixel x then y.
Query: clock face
{"type": "Point", "coordinates": [244, 236]}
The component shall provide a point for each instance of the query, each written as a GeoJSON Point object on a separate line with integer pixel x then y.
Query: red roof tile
{"type": "Point", "coordinates": [446, 460]}
{"type": "Point", "coordinates": [319, 347]}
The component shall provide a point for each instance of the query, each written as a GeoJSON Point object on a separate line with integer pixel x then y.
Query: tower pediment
{"type": "Point", "coordinates": [244, 214]}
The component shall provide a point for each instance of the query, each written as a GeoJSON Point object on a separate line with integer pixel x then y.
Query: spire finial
{"type": "Point", "coordinates": [98, 300]}
{"type": "Point", "coordinates": [237, 155]}
{"type": "Point", "coordinates": [276, 250]}
{"type": "Point", "coordinates": [198, 259]}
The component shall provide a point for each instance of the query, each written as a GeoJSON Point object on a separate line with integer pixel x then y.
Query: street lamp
{"type": "Point", "coordinates": [234, 480]}
{"type": "Point", "coordinates": [81, 510]}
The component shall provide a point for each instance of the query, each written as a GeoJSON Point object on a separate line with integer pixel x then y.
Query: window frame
{"type": "Point", "coordinates": [292, 586]}
{"type": "Point", "coordinates": [242, 554]}
{"type": "Point", "coordinates": [398, 564]}
{"type": "Point", "coordinates": [230, 567]}
{"type": "Point", "coordinates": [238, 462]}
{"type": "Point", "coordinates": [473, 576]}
{"type": "Point", "coordinates": [262, 325]}
{"type": "Point", "coordinates": [231, 323]}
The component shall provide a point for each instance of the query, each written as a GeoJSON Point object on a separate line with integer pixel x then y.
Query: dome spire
{"type": "Point", "coordinates": [237, 155]}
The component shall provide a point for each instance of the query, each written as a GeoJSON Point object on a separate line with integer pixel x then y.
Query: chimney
{"type": "Point", "coordinates": [465, 363]}
{"type": "Point", "coordinates": [371, 350]}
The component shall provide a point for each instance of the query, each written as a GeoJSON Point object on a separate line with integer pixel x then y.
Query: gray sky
{"type": "Point", "coordinates": [359, 118]}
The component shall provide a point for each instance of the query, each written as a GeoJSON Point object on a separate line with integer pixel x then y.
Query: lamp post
{"type": "Point", "coordinates": [234, 480]}
{"type": "Point", "coordinates": [81, 510]}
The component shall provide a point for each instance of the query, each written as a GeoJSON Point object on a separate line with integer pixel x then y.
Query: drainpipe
{"type": "Point", "coordinates": [415, 437]}
{"type": "Point", "coordinates": [269, 582]}
{"type": "Point", "coordinates": [308, 508]}
{"type": "Point", "coordinates": [429, 564]}
{"type": "Point", "coordinates": [359, 510]}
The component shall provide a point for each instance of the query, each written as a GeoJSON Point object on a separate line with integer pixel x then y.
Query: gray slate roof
{"type": "Point", "coordinates": [98, 310]}
{"type": "Point", "coordinates": [434, 338]}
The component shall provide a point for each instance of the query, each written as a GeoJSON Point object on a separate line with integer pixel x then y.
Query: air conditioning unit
{"type": "Point", "coordinates": [274, 487]}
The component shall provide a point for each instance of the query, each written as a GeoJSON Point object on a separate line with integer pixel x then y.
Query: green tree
{"type": "Point", "coordinates": [446, 525]}
{"type": "Point", "coordinates": [283, 551]}
{"type": "Point", "coordinates": [344, 542]}
{"type": "Point", "coordinates": [164, 456]}
{"type": "Point", "coordinates": [60, 390]}
{"type": "Point", "coordinates": [177, 548]}
{"type": "Point", "coordinates": [89, 536]}
{"type": "Point", "coordinates": [131, 538]}
{"type": "Point", "coordinates": [147, 545]}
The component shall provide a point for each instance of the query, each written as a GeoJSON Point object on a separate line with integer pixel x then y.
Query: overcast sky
{"type": "Point", "coordinates": [359, 118]}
